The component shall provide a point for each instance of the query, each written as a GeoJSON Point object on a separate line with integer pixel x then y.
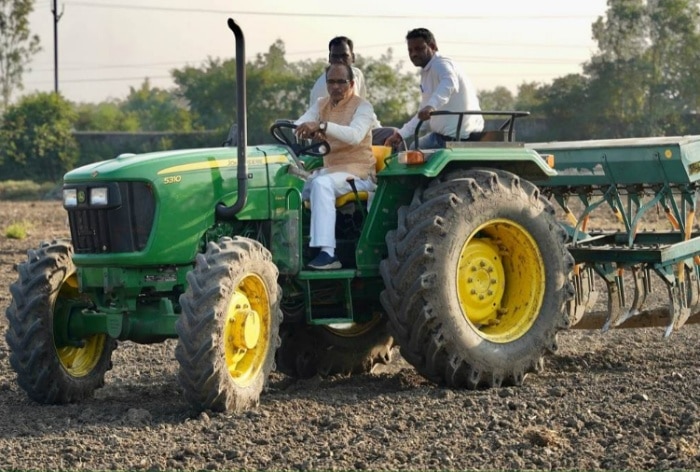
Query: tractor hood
{"type": "Point", "coordinates": [156, 166]}
{"type": "Point", "coordinates": [157, 206]}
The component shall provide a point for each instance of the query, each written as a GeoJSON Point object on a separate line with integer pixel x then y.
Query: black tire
{"type": "Point", "coordinates": [477, 279]}
{"type": "Point", "coordinates": [46, 289]}
{"type": "Point", "coordinates": [229, 327]}
{"type": "Point", "coordinates": [353, 348]}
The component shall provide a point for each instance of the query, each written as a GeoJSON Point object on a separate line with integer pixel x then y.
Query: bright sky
{"type": "Point", "coordinates": [107, 46]}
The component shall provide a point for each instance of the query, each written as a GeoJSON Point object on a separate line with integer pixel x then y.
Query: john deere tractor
{"type": "Point", "coordinates": [459, 260]}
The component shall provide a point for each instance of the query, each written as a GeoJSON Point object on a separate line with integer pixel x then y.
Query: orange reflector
{"type": "Point", "coordinates": [548, 159]}
{"type": "Point", "coordinates": [411, 157]}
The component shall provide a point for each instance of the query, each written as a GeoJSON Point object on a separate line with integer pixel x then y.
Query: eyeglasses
{"type": "Point", "coordinates": [337, 81]}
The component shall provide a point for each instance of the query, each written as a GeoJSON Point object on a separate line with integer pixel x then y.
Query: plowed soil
{"type": "Point", "coordinates": [623, 400]}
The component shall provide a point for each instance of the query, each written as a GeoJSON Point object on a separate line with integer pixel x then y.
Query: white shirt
{"type": "Point", "coordinates": [354, 133]}
{"type": "Point", "coordinates": [319, 90]}
{"type": "Point", "coordinates": [445, 88]}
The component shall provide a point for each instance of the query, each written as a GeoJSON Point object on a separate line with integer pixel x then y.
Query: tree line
{"type": "Point", "coordinates": [640, 82]}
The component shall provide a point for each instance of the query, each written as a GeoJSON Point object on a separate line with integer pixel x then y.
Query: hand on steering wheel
{"type": "Point", "coordinates": [280, 131]}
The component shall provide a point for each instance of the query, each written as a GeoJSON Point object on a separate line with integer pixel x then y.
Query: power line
{"type": "Point", "coordinates": [461, 59]}
{"type": "Point", "coordinates": [108, 79]}
{"type": "Point", "coordinates": [525, 77]}
{"type": "Point", "coordinates": [519, 45]}
{"type": "Point", "coordinates": [178, 62]}
{"type": "Point", "coordinates": [120, 66]}
{"type": "Point", "coordinates": [499, 16]}
{"type": "Point", "coordinates": [474, 72]}
{"type": "Point", "coordinates": [471, 44]}
{"type": "Point", "coordinates": [470, 59]}
{"type": "Point", "coordinates": [510, 60]}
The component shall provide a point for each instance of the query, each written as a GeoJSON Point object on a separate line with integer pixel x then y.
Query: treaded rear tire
{"type": "Point", "coordinates": [426, 270]}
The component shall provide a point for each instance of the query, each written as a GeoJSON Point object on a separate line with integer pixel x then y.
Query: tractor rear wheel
{"type": "Point", "coordinates": [352, 348]}
{"type": "Point", "coordinates": [477, 279]}
{"type": "Point", "coordinates": [229, 327]}
{"type": "Point", "coordinates": [44, 294]}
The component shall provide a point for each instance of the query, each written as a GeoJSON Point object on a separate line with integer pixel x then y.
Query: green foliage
{"type": "Point", "coordinates": [144, 109]}
{"type": "Point", "coordinates": [643, 80]}
{"type": "Point", "coordinates": [99, 146]}
{"type": "Point", "coordinates": [17, 230]}
{"type": "Point", "coordinates": [17, 46]}
{"type": "Point", "coordinates": [621, 34]}
{"type": "Point", "coordinates": [394, 94]}
{"type": "Point", "coordinates": [25, 190]}
{"type": "Point", "coordinates": [564, 104]}
{"type": "Point", "coordinates": [105, 116]}
{"type": "Point", "coordinates": [278, 89]}
{"type": "Point", "coordinates": [210, 92]}
{"type": "Point", "coordinates": [36, 140]}
{"type": "Point", "coordinates": [529, 98]}
{"type": "Point", "coordinates": [500, 98]}
{"type": "Point", "coordinates": [157, 110]}
{"type": "Point", "coordinates": [274, 92]}
{"type": "Point", "coordinates": [640, 82]}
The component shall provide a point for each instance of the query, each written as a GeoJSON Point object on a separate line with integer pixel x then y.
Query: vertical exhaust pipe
{"type": "Point", "coordinates": [222, 211]}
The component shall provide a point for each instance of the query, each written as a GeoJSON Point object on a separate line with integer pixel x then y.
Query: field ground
{"type": "Point", "coordinates": [623, 400]}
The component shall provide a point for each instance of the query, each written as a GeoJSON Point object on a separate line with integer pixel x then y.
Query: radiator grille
{"type": "Point", "coordinates": [123, 225]}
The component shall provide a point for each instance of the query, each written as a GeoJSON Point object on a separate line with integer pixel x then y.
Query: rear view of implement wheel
{"type": "Point", "coordinates": [229, 327]}
{"type": "Point", "coordinates": [350, 348]}
{"type": "Point", "coordinates": [45, 293]}
{"type": "Point", "coordinates": [477, 279]}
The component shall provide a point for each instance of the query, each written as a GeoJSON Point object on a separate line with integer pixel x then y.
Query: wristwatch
{"type": "Point", "coordinates": [322, 126]}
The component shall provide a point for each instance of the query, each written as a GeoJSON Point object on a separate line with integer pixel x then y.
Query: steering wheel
{"type": "Point", "coordinates": [283, 132]}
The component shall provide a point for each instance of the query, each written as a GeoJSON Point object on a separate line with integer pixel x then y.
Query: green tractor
{"type": "Point", "coordinates": [459, 260]}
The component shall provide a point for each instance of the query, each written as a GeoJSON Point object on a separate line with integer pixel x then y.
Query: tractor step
{"type": "Point", "coordinates": [327, 274]}
{"type": "Point", "coordinates": [333, 285]}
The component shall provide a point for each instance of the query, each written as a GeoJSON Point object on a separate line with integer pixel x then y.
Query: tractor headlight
{"type": "Point", "coordinates": [99, 196]}
{"type": "Point", "coordinates": [70, 197]}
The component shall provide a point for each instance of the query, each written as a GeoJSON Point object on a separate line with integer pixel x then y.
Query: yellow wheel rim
{"type": "Point", "coordinates": [247, 330]}
{"type": "Point", "coordinates": [79, 361]}
{"type": "Point", "coordinates": [500, 280]}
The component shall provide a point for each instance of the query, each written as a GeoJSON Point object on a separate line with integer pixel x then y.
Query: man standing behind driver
{"type": "Point", "coordinates": [340, 51]}
{"type": "Point", "coordinates": [443, 88]}
{"type": "Point", "coordinates": [344, 120]}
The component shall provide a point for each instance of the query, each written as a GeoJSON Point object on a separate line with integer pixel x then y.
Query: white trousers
{"type": "Point", "coordinates": [321, 189]}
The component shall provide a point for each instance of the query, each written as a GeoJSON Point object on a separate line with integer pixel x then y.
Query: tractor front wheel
{"type": "Point", "coordinates": [42, 299]}
{"type": "Point", "coordinates": [477, 279]}
{"type": "Point", "coordinates": [229, 327]}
